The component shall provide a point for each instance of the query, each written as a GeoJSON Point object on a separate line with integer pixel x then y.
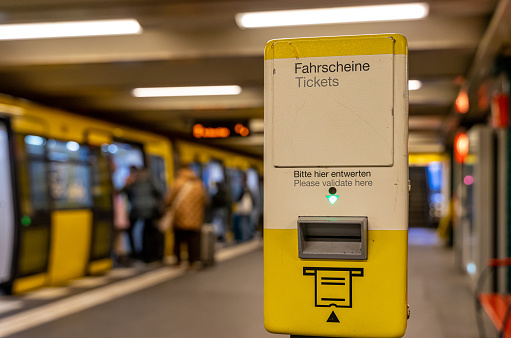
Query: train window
{"type": "Point", "coordinates": [38, 185]}
{"type": "Point", "coordinates": [30, 150]}
{"type": "Point", "coordinates": [54, 169]}
{"type": "Point", "coordinates": [34, 145]}
{"type": "Point", "coordinates": [7, 219]}
{"type": "Point", "coordinates": [235, 183]}
{"type": "Point", "coordinates": [253, 181]}
{"type": "Point", "coordinates": [124, 156]}
{"type": "Point", "coordinates": [66, 151]}
{"type": "Point", "coordinates": [69, 174]}
{"type": "Point", "coordinates": [70, 185]}
{"type": "Point", "coordinates": [254, 186]}
{"type": "Point", "coordinates": [213, 172]}
{"type": "Point", "coordinates": [34, 204]}
{"type": "Point", "coordinates": [157, 165]}
{"type": "Point", "coordinates": [196, 167]}
{"type": "Point", "coordinates": [101, 180]}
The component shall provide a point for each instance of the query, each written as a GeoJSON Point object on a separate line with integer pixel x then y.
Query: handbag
{"type": "Point", "coordinates": [121, 220]}
{"type": "Point", "coordinates": [167, 221]}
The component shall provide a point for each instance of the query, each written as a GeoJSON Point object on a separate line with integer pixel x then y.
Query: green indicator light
{"type": "Point", "coordinates": [26, 221]}
{"type": "Point", "coordinates": [332, 198]}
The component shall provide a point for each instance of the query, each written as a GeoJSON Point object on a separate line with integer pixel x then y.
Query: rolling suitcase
{"type": "Point", "coordinates": [208, 241]}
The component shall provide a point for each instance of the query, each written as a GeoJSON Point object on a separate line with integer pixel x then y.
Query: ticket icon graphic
{"type": "Point", "coordinates": [333, 286]}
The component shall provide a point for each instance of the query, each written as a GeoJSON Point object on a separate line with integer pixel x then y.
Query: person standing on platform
{"type": "Point", "coordinates": [145, 205]}
{"type": "Point", "coordinates": [219, 205]}
{"type": "Point", "coordinates": [131, 229]}
{"type": "Point", "coordinates": [243, 228]}
{"type": "Point", "coordinates": [188, 199]}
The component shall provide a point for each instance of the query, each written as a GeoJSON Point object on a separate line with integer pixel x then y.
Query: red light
{"type": "Point", "coordinates": [244, 131]}
{"type": "Point", "coordinates": [482, 97]}
{"type": "Point", "coordinates": [468, 180]}
{"type": "Point", "coordinates": [500, 110]}
{"type": "Point", "coordinates": [462, 103]}
{"type": "Point", "coordinates": [460, 147]}
{"type": "Point", "coordinates": [241, 130]}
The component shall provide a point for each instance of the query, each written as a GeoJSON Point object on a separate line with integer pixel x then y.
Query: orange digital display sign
{"type": "Point", "coordinates": [199, 131]}
{"type": "Point", "coordinates": [219, 130]}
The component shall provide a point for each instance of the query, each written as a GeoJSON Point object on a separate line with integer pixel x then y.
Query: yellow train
{"type": "Point", "coordinates": [57, 175]}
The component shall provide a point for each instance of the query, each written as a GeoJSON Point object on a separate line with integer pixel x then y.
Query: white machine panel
{"type": "Point", "coordinates": [352, 124]}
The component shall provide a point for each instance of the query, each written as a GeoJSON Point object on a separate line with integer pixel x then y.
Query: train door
{"type": "Point", "coordinates": [7, 220]}
{"type": "Point", "coordinates": [236, 182]}
{"type": "Point", "coordinates": [157, 166]}
{"type": "Point", "coordinates": [217, 213]}
{"type": "Point", "coordinates": [253, 184]}
{"type": "Point", "coordinates": [418, 215]}
{"type": "Point", "coordinates": [124, 156]}
{"type": "Point", "coordinates": [35, 213]}
{"type": "Point", "coordinates": [102, 211]}
{"type": "Point", "coordinates": [69, 179]}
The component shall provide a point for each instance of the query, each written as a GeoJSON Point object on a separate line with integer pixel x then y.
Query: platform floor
{"type": "Point", "coordinates": [225, 301]}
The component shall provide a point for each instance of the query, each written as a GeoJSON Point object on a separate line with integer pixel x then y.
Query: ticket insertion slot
{"type": "Point", "coordinates": [339, 237]}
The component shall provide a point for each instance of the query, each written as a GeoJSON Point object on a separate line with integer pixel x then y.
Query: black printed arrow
{"type": "Point", "coordinates": [333, 318]}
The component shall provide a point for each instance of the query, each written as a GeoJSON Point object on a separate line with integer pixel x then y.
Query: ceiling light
{"type": "Point", "coordinates": [414, 84]}
{"type": "Point", "coordinates": [320, 16]}
{"type": "Point", "coordinates": [45, 30]}
{"type": "Point", "coordinates": [186, 91]}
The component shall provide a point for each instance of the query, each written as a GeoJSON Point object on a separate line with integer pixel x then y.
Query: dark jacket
{"type": "Point", "coordinates": [145, 199]}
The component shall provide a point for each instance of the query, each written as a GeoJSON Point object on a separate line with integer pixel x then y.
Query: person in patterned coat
{"type": "Point", "coordinates": [188, 198]}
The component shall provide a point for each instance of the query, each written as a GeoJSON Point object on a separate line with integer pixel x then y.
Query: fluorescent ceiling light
{"type": "Point", "coordinates": [321, 16]}
{"type": "Point", "coordinates": [186, 91]}
{"type": "Point", "coordinates": [414, 84]}
{"type": "Point", "coordinates": [45, 30]}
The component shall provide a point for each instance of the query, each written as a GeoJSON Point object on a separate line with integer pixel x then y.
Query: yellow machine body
{"type": "Point", "coordinates": [336, 186]}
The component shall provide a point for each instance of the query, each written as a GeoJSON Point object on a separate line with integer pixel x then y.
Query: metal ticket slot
{"type": "Point", "coordinates": [336, 186]}
{"type": "Point", "coordinates": [332, 237]}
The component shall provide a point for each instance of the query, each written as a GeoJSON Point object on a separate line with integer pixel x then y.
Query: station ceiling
{"type": "Point", "coordinates": [197, 43]}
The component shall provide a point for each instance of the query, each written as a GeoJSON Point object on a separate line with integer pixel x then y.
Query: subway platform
{"type": "Point", "coordinates": [225, 301]}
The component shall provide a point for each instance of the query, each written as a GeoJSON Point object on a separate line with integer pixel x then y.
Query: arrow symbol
{"type": "Point", "coordinates": [333, 318]}
{"type": "Point", "coordinates": [332, 198]}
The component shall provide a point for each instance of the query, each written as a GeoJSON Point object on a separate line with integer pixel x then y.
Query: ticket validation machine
{"type": "Point", "coordinates": [336, 186]}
